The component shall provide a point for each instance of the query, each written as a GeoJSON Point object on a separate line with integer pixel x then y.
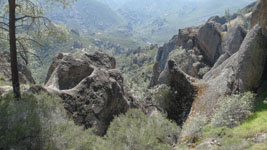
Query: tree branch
{"type": "Point", "coordinates": [25, 51]}
{"type": "Point", "coordinates": [4, 23]}
{"type": "Point", "coordinates": [4, 29]}
{"type": "Point", "coordinates": [33, 17]}
{"type": "Point", "coordinates": [29, 39]}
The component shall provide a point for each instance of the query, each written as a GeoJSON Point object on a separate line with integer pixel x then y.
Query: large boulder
{"type": "Point", "coordinates": [240, 73]}
{"type": "Point", "coordinates": [259, 15]}
{"type": "Point", "coordinates": [231, 43]}
{"type": "Point", "coordinates": [25, 76]}
{"type": "Point", "coordinates": [191, 61]}
{"type": "Point", "coordinates": [174, 93]}
{"type": "Point", "coordinates": [209, 38]}
{"type": "Point", "coordinates": [186, 38]}
{"type": "Point", "coordinates": [91, 89]}
{"type": "Point", "coordinates": [233, 39]}
{"type": "Point", "coordinates": [185, 50]}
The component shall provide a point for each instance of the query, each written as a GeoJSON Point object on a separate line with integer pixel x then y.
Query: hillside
{"type": "Point", "coordinates": [109, 89]}
{"type": "Point", "coordinates": [147, 21]}
{"type": "Point", "coordinates": [88, 16]}
{"type": "Point", "coordinates": [156, 21]}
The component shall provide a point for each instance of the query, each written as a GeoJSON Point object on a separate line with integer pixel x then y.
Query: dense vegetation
{"type": "Point", "coordinates": [41, 122]}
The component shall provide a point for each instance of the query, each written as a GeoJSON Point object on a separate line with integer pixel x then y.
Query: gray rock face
{"type": "Point", "coordinates": [240, 73]}
{"type": "Point", "coordinates": [186, 38]}
{"type": "Point", "coordinates": [65, 71]}
{"type": "Point", "coordinates": [96, 99]}
{"type": "Point", "coordinates": [233, 39]}
{"type": "Point", "coordinates": [259, 16]}
{"type": "Point", "coordinates": [155, 75]}
{"type": "Point", "coordinates": [163, 52]}
{"type": "Point", "coordinates": [185, 50]}
{"type": "Point", "coordinates": [217, 19]}
{"type": "Point", "coordinates": [209, 38]}
{"type": "Point", "coordinates": [25, 75]}
{"type": "Point", "coordinates": [191, 61]}
{"type": "Point", "coordinates": [231, 43]}
{"type": "Point", "coordinates": [175, 99]}
{"type": "Point", "coordinates": [91, 89]}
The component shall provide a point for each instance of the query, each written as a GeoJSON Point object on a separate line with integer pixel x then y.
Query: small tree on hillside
{"type": "Point", "coordinates": [22, 23]}
{"type": "Point", "coordinates": [227, 15]}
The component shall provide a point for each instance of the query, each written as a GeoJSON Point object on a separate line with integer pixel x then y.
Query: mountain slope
{"type": "Point", "coordinates": [87, 16]}
{"type": "Point", "coordinates": [157, 20]}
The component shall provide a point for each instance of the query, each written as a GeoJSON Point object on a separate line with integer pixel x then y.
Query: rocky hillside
{"type": "Point", "coordinates": [205, 89]}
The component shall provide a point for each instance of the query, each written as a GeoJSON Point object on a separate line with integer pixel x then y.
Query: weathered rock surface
{"type": "Point", "coordinates": [163, 52]}
{"type": "Point", "coordinates": [25, 75]}
{"type": "Point", "coordinates": [91, 89]}
{"type": "Point", "coordinates": [209, 38]}
{"type": "Point", "coordinates": [185, 48]}
{"type": "Point", "coordinates": [240, 73]}
{"type": "Point", "coordinates": [231, 43]}
{"type": "Point", "coordinates": [218, 19]}
{"type": "Point", "coordinates": [233, 39]}
{"type": "Point", "coordinates": [259, 16]}
{"type": "Point", "coordinates": [177, 97]}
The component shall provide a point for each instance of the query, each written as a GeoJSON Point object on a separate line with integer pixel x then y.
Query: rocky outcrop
{"type": "Point", "coordinates": [184, 48]}
{"type": "Point", "coordinates": [233, 39]}
{"type": "Point", "coordinates": [65, 70]}
{"type": "Point", "coordinates": [163, 52]}
{"type": "Point", "coordinates": [240, 73]}
{"type": "Point", "coordinates": [218, 19]}
{"type": "Point", "coordinates": [25, 76]}
{"type": "Point", "coordinates": [91, 89]}
{"type": "Point", "coordinates": [209, 38]}
{"type": "Point", "coordinates": [176, 96]}
{"type": "Point", "coordinates": [231, 43]}
{"type": "Point", "coordinates": [195, 49]}
{"type": "Point", "coordinates": [259, 16]}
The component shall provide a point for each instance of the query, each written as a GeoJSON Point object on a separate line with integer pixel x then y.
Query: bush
{"type": "Point", "coordinates": [233, 110]}
{"type": "Point", "coordinates": [136, 131]}
{"type": "Point", "coordinates": [40, 122]}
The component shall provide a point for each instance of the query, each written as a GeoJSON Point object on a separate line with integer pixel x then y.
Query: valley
{"type": "Point", "coordinates": [135, 75]}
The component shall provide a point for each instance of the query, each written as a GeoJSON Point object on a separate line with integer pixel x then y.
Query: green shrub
{"type": "Point", "coordinates": [3, 82]}
{"type": "Point", "coordinates": [41, 122]}
{"type": "Point", "coordinates": [136, 131]}
{"type": "Point", "coordinates": [233, 110]}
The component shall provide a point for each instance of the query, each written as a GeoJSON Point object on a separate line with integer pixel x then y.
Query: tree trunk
{"type": "Point", "coordinates": [13, 48]}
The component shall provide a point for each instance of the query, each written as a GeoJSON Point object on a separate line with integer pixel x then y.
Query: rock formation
{"type": "Point", "coordinates": [240, 73]}
{"type": "Point", "coordinates": [209, 38]}
{"type": "Point", "coordinates": [231, 43]}
{"type": "Point", "coordinates": [91, 89]}
{"type": "Point", "coordinates": [177, 94]}
{"type": "Point", "coordinates": [259, 16]}
{"type": "Point", "coordinates": [238, 61]}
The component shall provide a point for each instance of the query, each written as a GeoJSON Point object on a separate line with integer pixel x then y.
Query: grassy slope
{"type": "Point", "coordinates": [240, 137]}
